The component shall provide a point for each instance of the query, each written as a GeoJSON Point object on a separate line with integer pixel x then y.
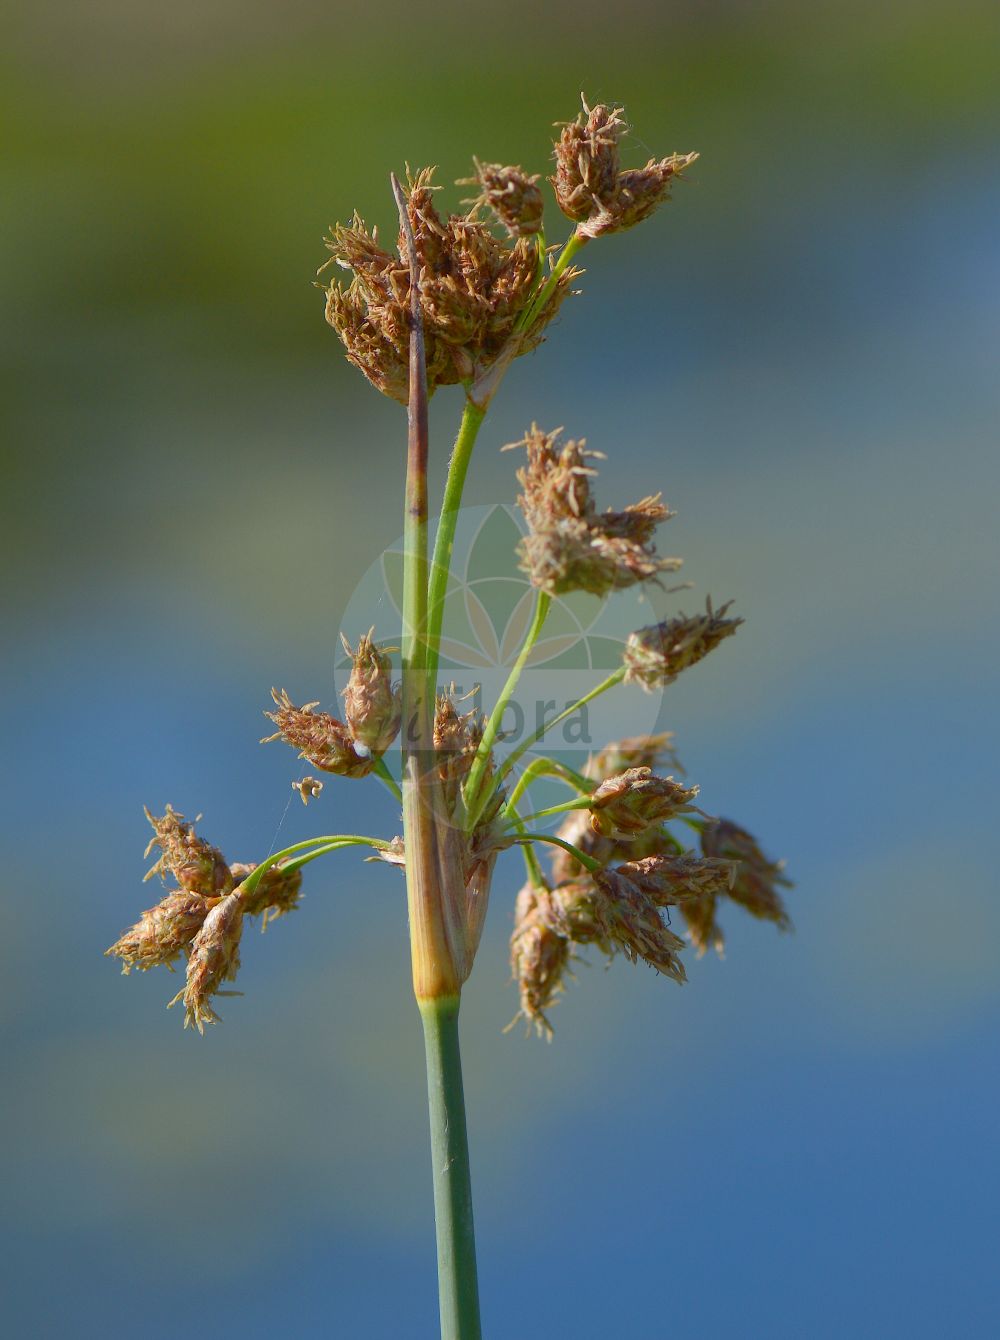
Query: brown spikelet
{"type": "Point", "coordinates": [590, 186]}
{"type": "Point", "coordinates": [197, 866]}
{"type": "Point", "coordinates": [570, 546]}
{"type": "Point", "coordinates": [511, 194]}
{"type": "Point", "coordinates": [277, 893]}
{"type": "Point", "coordinates": [656, 655]}
{"type": "Point", "coordinates": [539, 961]}
{"type": "Point", "coordinates": [757, 879]}
{"type": "Point", "coordinates": [629, 804]}
{"type": "Point", "coordinates": [372, 703]}
{"type": "Point", "coordinates": [631, 919]}
{"type": "Point", "coordinates": [320, 738]}
{"type": "Point", "coordinates": [162, 933]}
{"type": "Point", "coordinates": [214, 960]}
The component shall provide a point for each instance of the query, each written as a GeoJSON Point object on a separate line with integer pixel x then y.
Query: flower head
{"type": "Point", "coordinates": [214, 959]}
{"type": "Point", "coordinates": [632, 802]}
{"type": "Point", "coordinates": [570, 546]}
{"type": "Point", "coordinates": [277, 893]}
{"type": "Point", "coordinates": [757, 878]}
{"type": "Point", "coordinates": [511, 194]}
{"type": "Point", "coordinates": [320, 738]}
{"type": "Point", "coordinates": [162, 933]}
{"type": "Point", "coordinates": [656, 655]}
{"type": "Point", "coordinates": [590, 186]}
{"type": "Point", "coordinates": [197, 866]}
{"type": "Point", "coordinates": [473, 290]}
{"type": "Point", "coordinates": [632, 921]}
{"type": "Point", "coordinates": [539, 960]}
{"type": "Point", "coordinates": [372, 703]}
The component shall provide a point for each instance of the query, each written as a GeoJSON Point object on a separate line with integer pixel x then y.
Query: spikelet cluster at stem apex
{"type": "Point", "coordinates": [570, 546]}
{"type": "Point", "coordinates": [474, 288]}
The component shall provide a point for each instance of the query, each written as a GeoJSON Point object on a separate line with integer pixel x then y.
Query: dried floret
{"type": "Point", "coordinates": [320, 738]}
{"type": "Point", "coordinates": [277, 893]}
{"type": "Point", "coordinates": [757, 880]}
{"type": "Point", "coordinates": [589, 184]}
{"type": "Point", "coordinates": [656, 655]}
{"type": "Point", "coordinates": [570, 546]}
{"type": "Point", "coordinates": [162, 933]}
{"type": "Point", "coordinates": [511, 194]}
{"type": "Point", "coordinates": [197, 866]}
{"type": "Point", "coordinates": [372, 703]}
{"type": "Point", "coordinates": [214, 960]}
{"type": "Point", "coordinates": [629, 804]}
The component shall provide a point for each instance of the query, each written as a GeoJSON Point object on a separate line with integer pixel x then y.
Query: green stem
{"type": "Point", "coordinates": [531, 863]}
{"type": "Point", "coordinates": [473, 800]}
{"type": "Point", "coordinates": [586, 861]}
{"type": "Point", "coordinates": [578, 804]}
{"type": "Point", "coordinates": [456, 1241]}
{"type": "Point", "coordinates": [444, 543]}
{"type": "Point", "coordinates": [512, 760]}
{"type": "Point", "coordinates": [381, 771]}
{"type": "Point", "coordinates": [326, 843]}
{"type": "Point", "coordinates": [547, 767]}
{"type": "Point", "coordinates": [572, 246]}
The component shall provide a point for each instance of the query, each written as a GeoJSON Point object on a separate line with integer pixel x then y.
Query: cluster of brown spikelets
{"type": "Point", "coordinates": [202, 918]}
{"type": "Point", "coordinates": [644, 869]}
{"type": "Point", "coordinates": [484, 299]}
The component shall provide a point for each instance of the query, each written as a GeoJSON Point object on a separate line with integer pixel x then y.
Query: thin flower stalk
{"type": "Point", "coordinates": [474, 799]}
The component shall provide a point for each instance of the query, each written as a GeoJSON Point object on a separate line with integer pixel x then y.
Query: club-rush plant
{"type": "Point", "coordinates": [454, 304]}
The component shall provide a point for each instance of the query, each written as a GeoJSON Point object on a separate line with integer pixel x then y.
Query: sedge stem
{"type": "Point", "coordinates": [458, 1290]}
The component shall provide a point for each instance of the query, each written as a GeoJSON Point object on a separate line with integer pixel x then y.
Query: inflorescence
{"type": "Point", "coordinates": [488, 288]}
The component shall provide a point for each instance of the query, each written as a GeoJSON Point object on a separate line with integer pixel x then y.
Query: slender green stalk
{"type": "Point", "coordinates": [326, 843]}
{"type": "Point", "coordinates": [586, 861]}
{"type": "Point", "coordinates": [458, 1288]}
{"type": "Point", "coordinates": [444, 543]}
{"type": "Point", "coordinates": [512, 759]}
{"type": "Point", "coordinates": [572, 246]}
{"type": "Point", "coordinates": [474, 801]}
{"type": "Point", "coordinates": [381, 770]}
{"type": "Point", "coordinates": [565, 807]}
{"type": "Point", "coordinates": [547, 767]}
{"type": "Point", "coordinates": [531, 863]}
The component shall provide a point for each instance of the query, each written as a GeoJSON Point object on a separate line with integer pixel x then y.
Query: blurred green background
{"type": "Point", "coordinates": [801, 351]}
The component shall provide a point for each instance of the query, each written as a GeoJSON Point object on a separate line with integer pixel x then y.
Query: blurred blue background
{"type": "Point", "coordinates": [801, 351]}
